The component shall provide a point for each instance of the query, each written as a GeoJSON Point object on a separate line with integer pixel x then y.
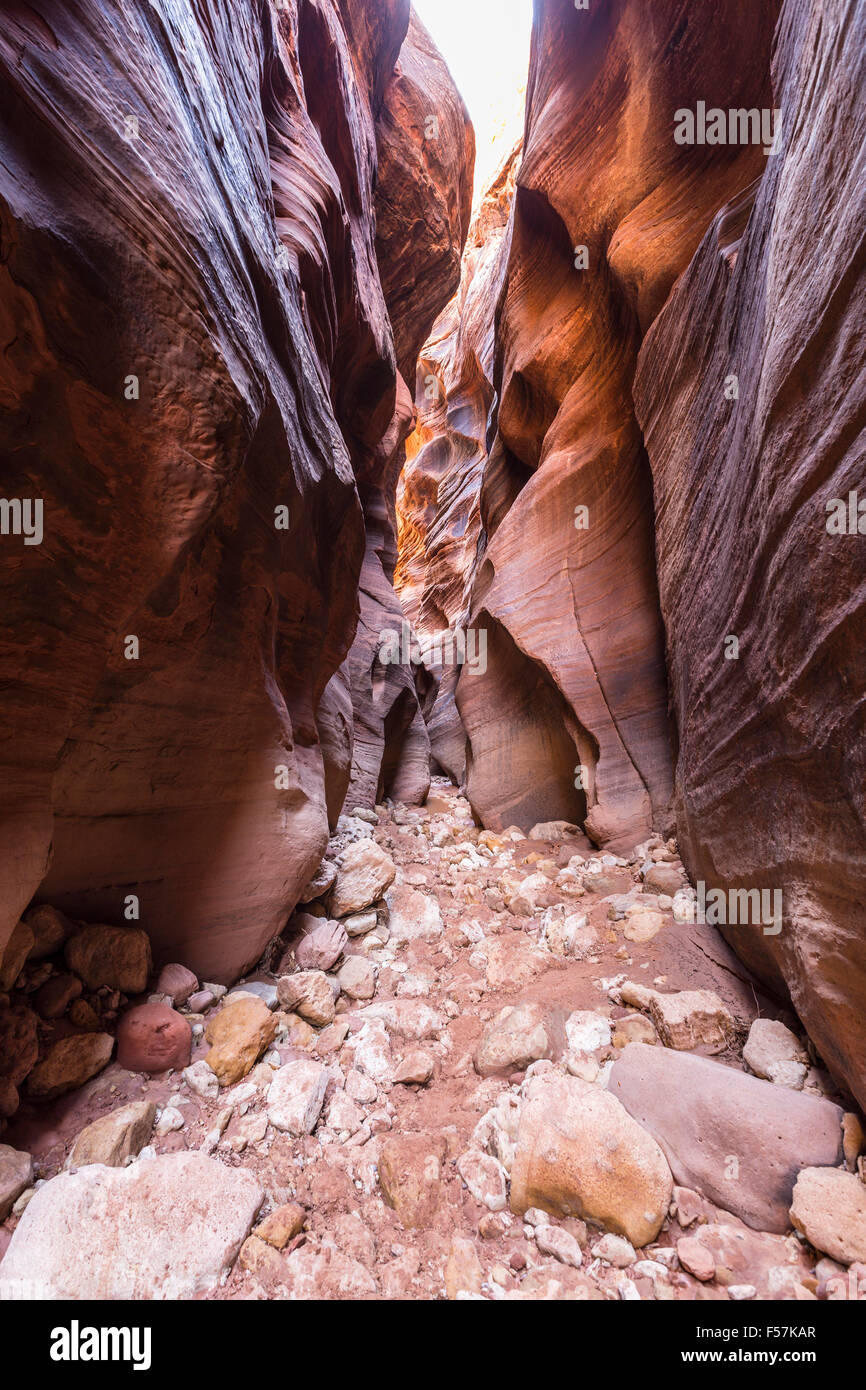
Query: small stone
{"type": "Point", "coordinates": [153, 1038]}
{"type": "Point", "coordinates": [365, 872]}
{"type": "Point", "coordinates": [552, 831]}
{"type": "Point", "coordinates": [331, 1039]}
{"type": "Point", "coordinates": [633, 1028]}
{"type": "Point", "coordinates": [299, 1033]}
{"type": "Point", "coordinates": [170, 1120]}
{"type": "Point", "coordinates": [357, 978]}
{"type": "Point", "coordinates": [774, 1053]}
{"type": "Point", "coordinates": [643, 926]}
{"type": "Point", "coordinates": [55, 996]}
{"type": "Point", "coordinates": [553, 1240]}
{"type": "Point", "coordinates": [662, 878]}
{"type": "Point", "coordinates": [68, 1064]}
{"type": "Point", "coordinates": [414, 1068]}
{"type": "Point", "coordinates": [259, 1258]}
{"type": "Point", "coordinates": [202, 1080]}
{"type": "Point", "coordinates": [361, 1088]}
{"type": "Point", "coordinates": [201, 1001]}
{"type": "Point", "coordinates": [177, 982]}
{"type": "Point", "coordinates": [360, 923]}
{"type": "Point", "coordinates": [696, 1258]}
{"type": "Point", "coordinates": [282, 1225]}
{"type": "Point", "coordinates": [616, 1250]}
{"type": "Point", "coordinates": [321, 882]}
{"type": "Point", "coordinates": [114, 1138]}
{"type": "Point", "coordinates": [256, 989]}
{"type": "Point", "coordinates": [515, 1037]}
{"type": "Point", "coordinates": [587, 1031]}
{"type": "Point", "coordinates": [83, 1015]}
{"type": "Point", "coordinates": [741, 1293]}
{"type": "Point", "coordinates": [320, 946]}
{"type": "Point", "coordinates": [50, 929]}
{"type": "Point", "coordinates": [343, 1114]}
{"type": "Point", "coordinates": [692, 1019]}
{"type": "Point", "coordinates": [485, 1178]}
{"type": "Point", "coordinates": [16, 1173]}
{"type": "Point", "coordinates": [413, 916]}
{"type": "Point", "coordinates": [118, 957]}
{"type": "Point", "coordinates": [492, 1225]}
{"type": "Point", "coordinates": [308, 994]}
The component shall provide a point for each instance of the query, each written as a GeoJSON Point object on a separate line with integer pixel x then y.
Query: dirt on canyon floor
{"type": "Point", "coordinates": [495, 1085]}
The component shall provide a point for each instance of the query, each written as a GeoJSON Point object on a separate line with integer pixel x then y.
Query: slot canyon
{"type": "Point", "coordinates": [433, 674]}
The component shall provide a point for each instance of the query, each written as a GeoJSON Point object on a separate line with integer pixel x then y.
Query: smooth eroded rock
{"type": "Point", "coordinates": [153, 1038]}
{"type": "Point", "coordinates": [739, 1140]}
{"type": "Point", "coordinates": [580, 1153]}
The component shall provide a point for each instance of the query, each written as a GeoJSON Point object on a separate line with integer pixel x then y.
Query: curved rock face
{"type": "Point", "coordinates": [200, 365]}
{"type": "Point", "coordinates": [423, 199]}
{"type": "Point", "coordinates": [439, 494]}
{"type": "Point", "coordinates": [761, 576]}
{"type": "Point", "coordinates": [608, 211]}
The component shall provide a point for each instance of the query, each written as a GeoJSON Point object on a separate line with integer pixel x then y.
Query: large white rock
{"type": "Point", "coordinates": [164, 1228]}
{"type": "Point", "coordinates": [413, 916]}
{"type": "Point", "coordinates": [296, 1096]}
{"type": "Point", "coordinates": [364, 874]}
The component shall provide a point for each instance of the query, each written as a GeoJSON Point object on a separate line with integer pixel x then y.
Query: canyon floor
{"type": "Point", "coordinates": [403, 1143]}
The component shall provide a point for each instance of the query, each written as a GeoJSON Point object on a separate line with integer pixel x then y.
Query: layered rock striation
{"type": "Point", "coordinates": [750, 391]}
{"type": "Point", "coordinates": [199, 391]}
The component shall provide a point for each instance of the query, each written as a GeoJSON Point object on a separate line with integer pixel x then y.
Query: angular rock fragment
{"type": "Point", "coordinates": [365, 872]}
{"type": "Point", "coordinates": [68, 1064]}
{"type": "Point", "coordinates": [829, 1207]}
{"type": "Point", "coordinates": [296, 1096]}
{"type": "Point", "coordinates": [116, 1137]}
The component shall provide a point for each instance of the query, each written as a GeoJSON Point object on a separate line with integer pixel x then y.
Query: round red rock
{"type": "Point", "coordinates": [153, 1038]}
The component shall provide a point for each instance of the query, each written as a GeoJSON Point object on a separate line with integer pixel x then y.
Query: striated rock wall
{"type": "Point", "coordinates": [770, 726]}
{"type": "Point", "coordinates": [439, 494]}
{"type": "Point", "coordinates": [423, 200]}
{"type": "Point", "coordinates": [198, 377]}
{"type": "Point", "coordinates": [570, 718]}
{"type": "Point", "coordinates": [575, 611]}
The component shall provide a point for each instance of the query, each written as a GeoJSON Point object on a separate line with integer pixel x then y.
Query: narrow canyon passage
{"type": "Point", "coordinates": [433, 859]}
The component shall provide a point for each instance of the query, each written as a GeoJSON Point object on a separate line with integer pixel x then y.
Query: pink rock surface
{"type": "Point", "coordinates": [770, 786]}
